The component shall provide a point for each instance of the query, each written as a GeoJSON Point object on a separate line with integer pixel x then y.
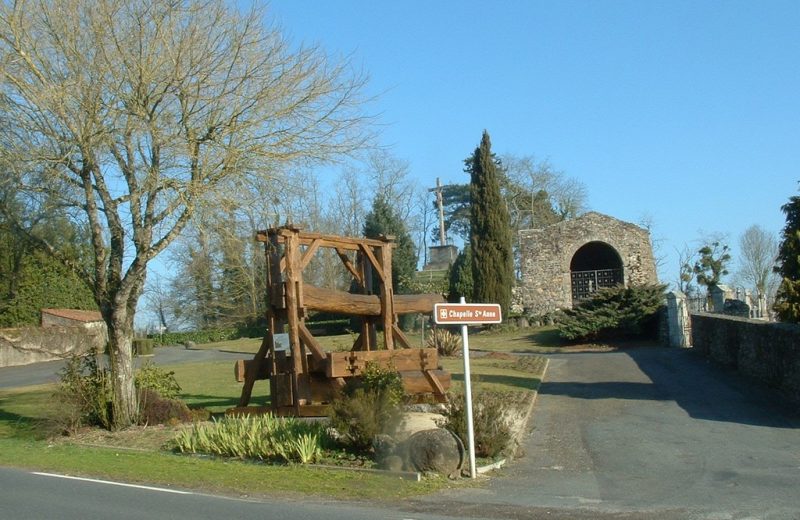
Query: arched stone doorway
{"type": "Point", "coordinates": [594, 265]}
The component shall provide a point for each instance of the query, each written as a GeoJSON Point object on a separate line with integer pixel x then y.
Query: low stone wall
{"type": "Point", "coordinates": [764, 351]}
{"type": "Point", "coordinates": [36, 344]}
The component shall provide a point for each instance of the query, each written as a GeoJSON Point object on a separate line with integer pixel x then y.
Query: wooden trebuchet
{"type": "Point", "coordinates": [303, 378]}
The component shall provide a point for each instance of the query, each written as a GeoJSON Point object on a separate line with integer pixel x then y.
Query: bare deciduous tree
{"type": "Point", "coordinates": [758, 251]}
{"type": "Point", "coordinates": [136, 112]}
{"type": "Point", "coordinates": [565, 196]}
{"type": "Point", "coordinates": [685, 279]}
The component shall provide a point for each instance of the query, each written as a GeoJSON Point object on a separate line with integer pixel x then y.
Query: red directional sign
{"type": "Point", "coordinates": [467, 313]}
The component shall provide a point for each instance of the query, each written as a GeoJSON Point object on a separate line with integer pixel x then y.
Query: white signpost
{"type": "Point", "coordinates": [465, 314]}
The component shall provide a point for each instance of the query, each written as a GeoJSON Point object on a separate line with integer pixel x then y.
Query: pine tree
{"type": "Point", "coordinates": [787, 301]}
{"type": "Point", "coordinates": [490, 234]}
{"type": "Point", "coordinates": [384, 220]}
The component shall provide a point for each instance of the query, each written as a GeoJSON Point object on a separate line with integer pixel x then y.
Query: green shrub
{"type": "Point", "coordinates": [384, 380]}
{"type": "Point", "coordinates": [368, 406]}
{"type": "Point", "coordinates": [613, 312]}
{"type": "Point", "coordinates": [156, 409]}
{"type": "Point", "coordinates": [256, 437]}
{"type": "Point", "coordinates": [149, 376]}
{"type": "Point", "coordinates": [85, 393]}
{"type": "Point", "coordinates": [490, 411]}
{"type": "Point", "coordinates": [445, 342]}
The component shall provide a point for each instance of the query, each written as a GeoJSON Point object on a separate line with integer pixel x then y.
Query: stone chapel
{"type": "Point", "coordinates": [566, 262]}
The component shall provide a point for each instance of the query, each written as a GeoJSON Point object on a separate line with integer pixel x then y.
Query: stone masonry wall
{"type": "Point", "coordinates": [35, 344]}
{"type": "Point", "coordinates": [546, 255]}
{"type": "Point", "coordinates": [767, 352]}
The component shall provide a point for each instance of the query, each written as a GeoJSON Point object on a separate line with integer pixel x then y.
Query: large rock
{"type": "Point", "coordinates": [436, 450]}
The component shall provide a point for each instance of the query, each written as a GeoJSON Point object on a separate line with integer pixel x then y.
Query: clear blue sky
{"type": "Point", "coordinates": [685, 111]}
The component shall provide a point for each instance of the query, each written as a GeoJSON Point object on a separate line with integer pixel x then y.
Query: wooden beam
{"type": "Point", "coordinates": [340, 302]}
{"type": "Point", "coordinates": [293, 282]}
{"type": "Point", "coordinates": [311, 342]}
{"type": "Point", "coordinates": [400, 336]}
{"type": "Point", "coordinates": [374, 261]}
{"type": "Point", "coordinates": [249, 378]}
{"type": "Point", "coordinates": [348, 364]}
{"type": "Point", "coordinates": [309, 254]}
{"type": "Point", "coordinates": [306, 238]}
{"type": "Point", "coordinates": [425, 382]}
{"type": "Point", "coordinates": [434, 381]}
{"type": "Point", "coordinates": [350, 267]}
{"type": "Point", "coordinates": [388, 316]}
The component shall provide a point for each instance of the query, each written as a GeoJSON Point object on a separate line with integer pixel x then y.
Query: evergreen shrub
{"type": "Point", "coordinates": [613, 313]}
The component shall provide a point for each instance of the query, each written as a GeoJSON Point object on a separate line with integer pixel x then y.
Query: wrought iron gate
{"type": "Point", "coordinates": [584, 283]}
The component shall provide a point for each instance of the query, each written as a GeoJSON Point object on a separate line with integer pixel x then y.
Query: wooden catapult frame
{"type": "Point", "coordinates": [304, 379]}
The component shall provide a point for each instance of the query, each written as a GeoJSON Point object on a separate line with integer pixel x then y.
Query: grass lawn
{"type": "Point", "coordinates": [212, 385]}
{"type": "Point", "coordinates": [25, 442]}
{"type": "Point", "coordinates": [137, 455]}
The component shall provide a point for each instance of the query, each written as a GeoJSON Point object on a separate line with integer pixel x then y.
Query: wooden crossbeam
{"type": "Point", "coordinates": [400, 336]}
{"type": "Point", "coordinates": [349, 266]}
{"type": "Point", "coordinates": [348, 364]}
{"type": "Point", "coordinates": [311, 342]}
{"type": "Point", "coordinates": [426, 382]}
{"type": "Point", "coordinates": [374, 261]}
{"type": "Point", "coordinates": [309, 254]}
{"type": "Point", "coordinates": [333, 241]}
{"type": "Point", "coordinates": [430, 375]}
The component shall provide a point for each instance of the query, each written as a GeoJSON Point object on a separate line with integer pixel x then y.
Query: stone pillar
{"type": "Point", "coordinates": [719, 293]}
{"type": "Point", "coordinates": [678, 323]}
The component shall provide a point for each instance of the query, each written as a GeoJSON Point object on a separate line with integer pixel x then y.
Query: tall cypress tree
{"type": "Point", "coordinates": [787, 301]}
{"type": "Point", "coordinates": [490, 230]}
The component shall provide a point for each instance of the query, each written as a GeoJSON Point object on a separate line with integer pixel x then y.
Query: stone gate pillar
{"type": "Point", "coordinates": [678, 323]}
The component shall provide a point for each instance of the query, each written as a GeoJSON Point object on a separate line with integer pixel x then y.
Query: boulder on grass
{"type": "Point", "coordinates": [435, 451]}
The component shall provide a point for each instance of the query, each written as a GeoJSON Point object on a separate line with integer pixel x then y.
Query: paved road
{"type": "Point", "coordinates": [40, 373]}
{"type": "Point", "coordinates": [646, 433]}
{"type": "Point", "coordinates": [30, 496]}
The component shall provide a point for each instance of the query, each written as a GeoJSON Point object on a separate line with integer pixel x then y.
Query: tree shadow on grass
{"type": "Point", "coordinates": [14, 425]}
{"type": "Point", "coordinates": [547, 338]}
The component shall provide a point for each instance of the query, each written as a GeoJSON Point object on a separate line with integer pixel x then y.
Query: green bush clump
{"type": "Point", "coordinates": [613, 312]}
{"type": "Point", "coordinates": [368, 406]}
{"type": "Point", "coordinates": [490, 421]}
{"type": "Point", "coordinates": [85, 393]}
{"type": "Point", "coordinates": [151, 377]}
{"type": "Point", "coordinates": [263, 437]}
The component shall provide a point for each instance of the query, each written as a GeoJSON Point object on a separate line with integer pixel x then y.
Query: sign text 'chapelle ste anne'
{"type": "Point", "coordinates": [467, 313]}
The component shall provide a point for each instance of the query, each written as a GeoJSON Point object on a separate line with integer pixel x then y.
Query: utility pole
{"type": "Point", "coordinates": [440, 204]}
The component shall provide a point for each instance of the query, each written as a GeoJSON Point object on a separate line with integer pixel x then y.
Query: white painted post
{"type": "Point", "coordinates": [468, 398]}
